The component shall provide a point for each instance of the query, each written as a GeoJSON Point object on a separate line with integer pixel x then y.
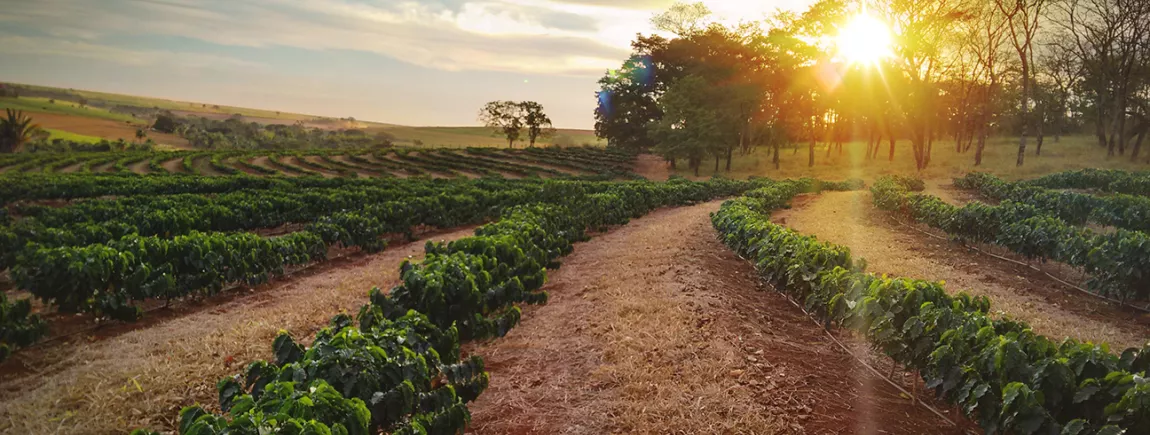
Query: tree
{"type": "Point", "coordinates": [141, 134]}
{"type": "Point", "coordinates": [537, 123]}
{"type": "Point", "coordinates": [682, 19]}
{"type": "Point", "coordinates": [505, 118]}
{"type": "Point", "coordinates": [165, 123]}
{"type": "Point", "coordinates": [1022, 18]}
{"type": "Point", "coordinates": [1111, 41]}
{"type": "Point", "coordinates": [83, 102]}
{"type": "Point", "coordinates": [16, 129]}
{"type": "Point", "coordinates": [925, 37]}
{"type": "Point", "coordinates": [690, 128]}
{"type": "Point", "coordinates": [627, 103]}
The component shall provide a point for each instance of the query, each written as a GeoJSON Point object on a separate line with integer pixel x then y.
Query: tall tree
{"type": "Point", "coordinates": [505, 118]}
{"type": "Point", "coordinates": [537, 123]}
{"type": "Point", "coordinates": [16, 129]}
{"type": "Point", "coordinates": [690, 127]}
{"type": "Point", "coordinates": [1022, 19]}
{"type": "Point", "coordinates": [627, 103]}
{"type": "Point", "coordinates": [924, 39]}
{"type": "Point", "coordinates": [1110, 39]}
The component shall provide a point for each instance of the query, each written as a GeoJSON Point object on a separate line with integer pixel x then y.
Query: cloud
{"type": "Point", "coordinates": [40, 46]}
{"type": "Point", "coordinates": [528, 37]}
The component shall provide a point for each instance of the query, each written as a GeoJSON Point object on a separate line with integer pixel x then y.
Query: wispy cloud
{"type": "Point", "coordinates": [423, 62]}
{"type": "Point", "coordinates": [482, 35]}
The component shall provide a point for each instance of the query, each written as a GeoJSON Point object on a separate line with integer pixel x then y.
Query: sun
{"type": "Point", "coordinates": [864, 40]}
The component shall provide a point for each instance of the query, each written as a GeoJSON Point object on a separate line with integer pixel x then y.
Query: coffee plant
{"type": "Point", "coordinates": [998, 371]}
{"type": "Point", "coordinates": [1118, 263]}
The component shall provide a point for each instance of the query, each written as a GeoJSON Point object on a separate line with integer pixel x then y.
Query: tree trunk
{"type": "Point", "coordinates": [811, 154]}
{"type": "Point", "coordinates": [730, 151]}
{"type": "Point", "coordinates": [877, 142]}
{"type": "Point", "coordinates": [776, 157]}
{"type": "Point", "coordinates": [1100, 124]}
{"type": "Point", "coordinates": [509, 142]}
{"type": "Point", "coordinates": [890, 158]}
{"type": "Point", "coordinates": [981, 146]}
{"type": "Point", "coordinates": [1122, 133]}
{"type": "Point", "coordinates": [672, 160]}
{"type": "Point", "coordinates": [1025, 112]}
{"type": "Point", "coordinates": [717, 163]}
{"type": "Point", "coordinates": [929, 146]}
{"type": "Point", "coordinates": [1138, 142]}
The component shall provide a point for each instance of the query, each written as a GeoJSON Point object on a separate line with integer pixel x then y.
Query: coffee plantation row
{"type": "Point", "coordinates": [107, 256]}
{"type": "Point", "coordinates": [1103, 180]}
{"type": "Point", "coordinates": [997, 371]}
{"type": "Point", "coordinates": [368, 163]}
{"type": "Point", "coordinates": [1118, 262]}
{"type": "Point", "coordinates": [396, 366]}
{"type": "Point", "coordinates": [1120, 210]}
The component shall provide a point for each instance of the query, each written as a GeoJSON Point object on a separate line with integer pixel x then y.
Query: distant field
{"type": "Point", "coordinates": [149, 102]}
{"type": "Point", "coordinates": [33, 104]}
{"type": "Point", "coordinates": [441, 137]}
{"type": "Point", "coordinates": [67, 135]}
{"type": "Point", "coordinates": [457, 137]}
{"type": "Point", "coordinates": [93, 127]}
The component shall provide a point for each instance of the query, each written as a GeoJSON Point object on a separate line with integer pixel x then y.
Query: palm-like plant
{"type": "Point", "coordinates": [16, 129]}
{"type": "Point", "coordinates": [141, 134]}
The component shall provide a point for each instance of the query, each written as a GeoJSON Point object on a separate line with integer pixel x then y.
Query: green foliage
{"type": "Point", "coordinates": [1118, 262]}
{"type": "Point", "coordinates": [997, 371]}
{"type": "Point", "coordinates": [396, 368]}
{"type": "Point", "coordinates": [1130, 212]}
{"type": "Point", "coordinates": [1106, 180]}
{"type": "Point", "coordinates": [18, 326]}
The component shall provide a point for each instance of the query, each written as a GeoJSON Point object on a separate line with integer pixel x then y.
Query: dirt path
{"type": "Point", "coordinates": [652, 167]}
{"type": "Point", "coordinates": [140, 167]}
{"type": "Point", "coordinates": [174, 166]}
{"type": "Point", "coordinates": [945, 190]}
{"type": "Point", "coordinates": [850, 219]}
{"type": "Point", "coordinates": [656, 327]}
{"type": "Point", "coordinates": [143, 377]}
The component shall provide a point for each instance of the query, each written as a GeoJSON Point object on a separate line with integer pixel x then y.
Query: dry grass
{"type": "Point", "coordinates": [849, 219]}
{"type": "Point", "coordinates": [657, 328]}
{"type": "Point", "coordinates": [101, 128]}
{"type": "Point", "coordinates": [143, 377]}
{"type": "Point", "coordinates": [618, 348]}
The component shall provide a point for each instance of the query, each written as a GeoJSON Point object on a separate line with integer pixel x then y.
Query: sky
{"type": "Point", "coordinates": [404, 62]}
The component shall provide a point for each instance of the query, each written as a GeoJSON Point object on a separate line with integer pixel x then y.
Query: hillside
{"type": "Point", "coordinates": [116, 116]}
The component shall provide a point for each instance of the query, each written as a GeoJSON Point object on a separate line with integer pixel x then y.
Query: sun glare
{"type": "Point", "coordinates": [864, 40]}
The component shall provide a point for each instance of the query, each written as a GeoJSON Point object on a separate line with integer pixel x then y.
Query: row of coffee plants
{"type": "Point", "coordinates": [589, 161]}
{"type": "Point", "coordinates": [1105, 180]}
{"type": "Point", "coordinates": [158, 252]}
{"type": "Point", "coordinates": [539, 156]}
{"type": "Point", "coordinates": [496, 165]}
{"type": "Point", "coordinates": [396, 368]}
{"type": "Point", "coordinates": [1118, 263]}
{"type": "Point", "coordinates": [997, 371]}
{"type": "Point", "coordinates": [1131, 212]}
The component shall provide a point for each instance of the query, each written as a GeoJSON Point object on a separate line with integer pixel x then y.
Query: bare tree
{"type": "Point", "coordinates": [1109, 37]}
{"type": "Point", "coordinates": [1022, 18]}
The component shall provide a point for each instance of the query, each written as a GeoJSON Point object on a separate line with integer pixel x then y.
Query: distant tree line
{"type": "Point", "coordinates": [235, 133]}
{"type": "Point", "coordinates": [513, 120]}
